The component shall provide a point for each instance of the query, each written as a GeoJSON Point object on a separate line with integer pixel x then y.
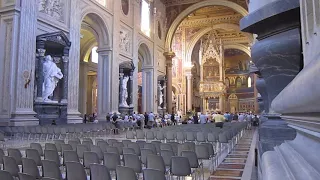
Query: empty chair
{"type": "Point", "coordinates": [136, 148]}
{"type": "Point", "coordinates": [87, 139]}
{"type": "Point", "coordinates": [125, 173]}
{"type": "Point", "coordinates": [144, 154]}
{"type": "Point", "coordinates": [166, 146]}
{"type": "Point", "coordinates": [99, 172]}
{"type": "Point", "coordinates": [74, 144]}
{"type": "Point", "coordinates": [47, 178]}
{"type": "Point", "coordinates": [1, 156]}
{"type": "Point", "coordinates": [133, 161]}
{"type": "Point", "coordinates": [30, 167]}
{"type": "Point", "coordinates": [151, 147]}
{"type": "Point", "coordinates": [157, 145]}
{"type": "Point", "coordinates": [180, 137]}
{"type": "Point", "coordinates": [128, 151]}
{"type": "Point", "coordinates": [103, 145]}
{"type": "Point", "coordinates": [52, 155]}
{"type": "Point", "coordinates": [141, 143]}
{"type": "Point", "coordinates": [119, 146]}
{"type": "Point", "coordinates": [10, 165]}
{"type": "Point", "coordinates": [111, 141]}
{"type": "Point", "coordinates": [98, 140]}
{"type": "Point", "coordinates": [37, 147]}
{"type": "Point", "coordinates": [81, 149]}
{"type": "Point", "coordinates": [50, 146]}
{"type": "Point", "coordinates": [111, 161]}
{"type": "Point", "coordinates": [58, 144]}
{"type": "Point", "coordinates": [167, 155]}
{"type": "Point", "coordinates": [113, 150]}
{"type": "Point", "coordinates": [160, 136]}
{"type": "Point", "coordinates": [75, 171]}
{"type": "Point", "coordinates": [190, 136]}
{"type": "Point", "coordinates": [126, 142]}
{"type": "Point", "coordinates": [130, 135]}
{"type": "Point", "coordinates": [23, 176]}
{"type": "Point", "coordinates": [98, 151]}
{"type": "Point", "coordinates": [70, 156]}
{"type": "Point", "coordinates": [202, 152]}
{"type": "Point", "coordinates": [140, 134]}
{"type": "Point", "coordinates": [192, 157]}
{"type": "Point", "coordinates": [149, 135]}
{"type": "Point", "coordinates": [87, 143]}
{"type": "Point", "coordinates": [153, 174]}
{"type": "Point", "coordinates": [5, 175]}
{"type": "Point", "coordinates": [90, 158]}
{"type": "Point", "coordinates": [156, 162]}
{"type": "Point", "coordinates": [66, 147]}
{"type": "Point", "coordinates": [16, 154]}
{"type": "Point", "coordinates": [180, 166]}
{"type": "Point", "coordinates": [34, 154]}
{"type": "Point", "coordinates": [212, 138]}
{"type": "Point", "coordinates": [201, 137]}
{"type": "Point", "coordinates": [76, 140]}
{"type": "Point", "coordinates": [174, 146]}
{"type": "Point", "coordinates": [170, 136]}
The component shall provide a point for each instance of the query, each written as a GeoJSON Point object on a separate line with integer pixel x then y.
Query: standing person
{"type": "Point", "coordinates": [235, 116]}
{"type": "Point", "coordinates": [219, 119]}
{"type": "Point", "coordinates": [241, 117]}
{"type": "Point", "coordinates": [195, 118]}
{"type": "Point", "coordinates": [203, 118]}
{"type": "Point", "coordinates": [85, 119]}
{"type": "Point", "coordinates": [108, 117]}
{"type": "Point", "coordinates": [53, 123]}
{"type": "Point", "coordinates": [173, 119]}
{"type": "Point", "coordinates": [146, 119]}
{"type": "Point", "coordinates": [151, 119]}
{"type": "Point", "coordinates": [115, 122]}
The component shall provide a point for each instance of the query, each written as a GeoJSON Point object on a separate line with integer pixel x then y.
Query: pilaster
{"type": "Point", "coordinates": [169, 56]}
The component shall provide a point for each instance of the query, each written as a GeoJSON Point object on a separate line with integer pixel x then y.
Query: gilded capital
{"type": "Point", "coordinates": [169, 55]}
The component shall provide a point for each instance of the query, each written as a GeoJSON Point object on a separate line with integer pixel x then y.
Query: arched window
{"type": "Point", "coordinates": [238, 83]}
{"type": "Point", "coordinates": [145, 17]}
{"type": "Point", "coordinates": [249, 82]}
{"type": "Point", "coordinates": [94, 55]}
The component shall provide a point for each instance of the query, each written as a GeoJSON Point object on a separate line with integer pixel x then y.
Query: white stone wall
{"type": "Point", "coordinates": [257, 4]}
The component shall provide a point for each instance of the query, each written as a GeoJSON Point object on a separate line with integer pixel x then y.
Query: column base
{"type": "Point", "coordinates": [126, 110]}
{"type": "Point", "coordinates": [74, 117]}
{"type": "Point", "coordinates": [23, 119]}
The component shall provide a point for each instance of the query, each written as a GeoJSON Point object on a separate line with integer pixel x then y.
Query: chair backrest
{"type": "Point", "coordinates": [153, 174]}
{"type": "Point", "coordinates": [202, 152]}
{"type": "Point", "coordinates": [125, 173]}
{"type": "Point", "coordinates": [201, 137]}
{"type": "Point", "coordinates": [30, 167]}
{"type": "Point", "coordinates": [192, 157]}
{"type": "Point", "coordinates": [160, 135]}
{"type": "Point", "coordinates": [149, 135]}
{"type": "Point", "coordinates": [5, 175]}
{"type": "Point", "coordinates": [130, 135]}
{"type": "Point", "coordinates": [74, 144]}
{"type": "Point", "coordinates": [90, 158]}
{"type": "Point", "coordinates": [174, 146]}
{"type": "Point", "coordinates": [66, 147]}
{"type": "Point", "coordinates": [99, 172]}
{"type": "Point", "coordinates": [111, 141]}
{"type": "Point", "coordinates": [111, 149]}
{"type": "Point", "coordinates": [180, 166]}
{"type": "Point", "coordinates": [52, 155]}
{"type": "Point", "coordinates": [126, 142]}
{"type": "Point", "coordinates": [75, 171]}
{"type": "Point", "coordinates": [10, 165]}
{"type": "Point", "coordinates": [190, 136]}
{"type": "Point", "coordinates": [103, 145]}
{"type": "Point", "coordinates": [98, 151]}
{"type": "Point", "coordinates": [151, 147]}
{"type": "Point", "coordinates": [144, 154]}
{"type": "Point", "coordinates": [37, 147]}
{"type": "Point", "coordinates": [136, 148]}
{"type": "Point", "coordinates": [167, 155]}
{"type": "Point", "coordinates": [170, 135]}
{"type": "Point", "coordinates": [87, 143]}
{"type": "Point", "coordinates": [34, 154]}
{"type": "Point", "coordinates": [51, 169]}
{"type": "Point", "coordinates": [156, 162]}
{"type": "Point", "coordinates": [70, 156]}
{"type": "Point", "coordinates": [119, 146]}
{"type": "Point", "coordinates": [87, 139]}
{"type": "Point", "coordinates": [140, 134]}
{"type": "Point", "coordinates": [212, 137]}
{"type": "Point", "coordinates": [180, 136]}
{"type": "Point", "coordinates": [50, 146]}
{"type": "Point", "coordinates": [210, 148]}
{"type": "Point", "coordinates": [16, 154]}
{"type": "Point", "coordinates": [141, 143]}
{"type": "Point", "coordinates": [157, 145]}
{"type": "Point", "coordinates": [26, 176]}
{"type": "Point", "coordinates": [133, 161]}
{"type": "Point", "coordinates": [58, 144]}
{"type": "Point", "coordinates": [166, 146]}
{"type": "Point", "coordinates": [128, 151]}
{"type": "Point", "coordinates": [81, 149]}
{"type": "Point", "coordinates": [111, 160]}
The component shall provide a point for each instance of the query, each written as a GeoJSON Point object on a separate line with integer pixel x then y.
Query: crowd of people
{"type": "Point", "coordinates": [150, 120]}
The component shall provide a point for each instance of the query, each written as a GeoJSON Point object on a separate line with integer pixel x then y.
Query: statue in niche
{"type": "Point", "coordinates": [161, 95]}
{"type": "Point", "coordinates": [51, 76]}
{"type": "Point", "coordinates": [124, 92]}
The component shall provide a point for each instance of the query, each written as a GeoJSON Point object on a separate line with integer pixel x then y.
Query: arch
{"type": "Point", "coordinates": [96, 25]}
{"type": "Point", "coordinates": [144, 54]}
{"type": "Point", "coordinates": [239, 47]}
{"type": "Point", "coordinates": [194, 7]}
{"type": "Point", "coordinates": [224, 26]}
{"type": "Point", "coordinates": [178, 90]}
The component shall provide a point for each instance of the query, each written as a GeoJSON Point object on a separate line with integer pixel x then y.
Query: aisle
{"type": "Point", "coordinates": [234, 164]}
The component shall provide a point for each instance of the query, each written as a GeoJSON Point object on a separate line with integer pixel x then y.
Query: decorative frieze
{"type": "Point", "coordinates": [53, 8]}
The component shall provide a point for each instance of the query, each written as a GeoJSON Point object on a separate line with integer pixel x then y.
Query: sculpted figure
{"type": "Point", "coordinates": [161, 95]}
{"type": "Point", "coordinates": [124, 92]}
{"type": "Point", "coordinates": [51, 76]}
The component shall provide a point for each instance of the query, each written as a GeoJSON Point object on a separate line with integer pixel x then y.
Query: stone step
{"type": "Point", "coordinates": [235, 161]}
{"type": "Point", "coordinates": [232, 166]}
{"type": "Point", "coordinates": [237, 156]}
{"type": "Point", "coordinates": [222, 178]}
{"type": "Point", "coordinates": [228, 173]}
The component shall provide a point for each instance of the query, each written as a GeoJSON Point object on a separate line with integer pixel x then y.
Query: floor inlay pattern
{"type": "Point", "coordinates": [233, 165]}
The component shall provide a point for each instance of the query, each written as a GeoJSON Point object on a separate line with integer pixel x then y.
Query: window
{"type": "Point", "coordinates": [249, 82]}
{"type": "Point", "coordinates": [145, 17]}
{"type": "Point", "coordinates": [94, 55]}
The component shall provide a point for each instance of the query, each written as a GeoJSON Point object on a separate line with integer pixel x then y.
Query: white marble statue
{"type": "Point", "coordinates": [124, 92]}
{"type": "Point", "coordinates": [160, 96]}
{"type": "Point", "coordinates": [51, 76]}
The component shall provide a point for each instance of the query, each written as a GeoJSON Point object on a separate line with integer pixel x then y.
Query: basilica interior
{"type": "Point", "coordinates": [67, 67]}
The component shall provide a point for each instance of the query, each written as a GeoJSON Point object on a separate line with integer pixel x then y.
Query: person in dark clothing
{"type": "Point", "coordinates": [173, 119]}
{"type": "Point", "coordinates": [195, 119]}
{"type": "Point", "coordinates": [115, 123]}
{"type": "Point", "coordinates": [235, 117]}
{"type": "Point", "coordinates": [85, 119]}
{"type": "Point", "coordinates": [146, 118]}
{"type": "Point", "coordinates": [108, 117]}
{"type": "Point", "coordinates": [53, 123]}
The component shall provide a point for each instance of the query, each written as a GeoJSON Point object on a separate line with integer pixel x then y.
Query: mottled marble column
{"type": "Point", "coordinates": [165, 95]}
{"type": "Point", "coordinates": [189, 92]}
{"type": "Point", "coordinates": [39, 69]}
{"type": "Point", "coordinates": [121, 76]}
{"type": "Point", "coordinates": [131, 90]}
{"type": "Point", "coordinates": [65, 60]}
{"type": "Point", "coordinates": [169, 56]}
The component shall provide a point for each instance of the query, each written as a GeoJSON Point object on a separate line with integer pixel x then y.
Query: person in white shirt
{"type": "Point", "coordinates": [151, 119]}
{"type": "Point", "coordinates": [241, 117]}
{"type": "Point", "coordinates": [126, 118]}
{"type": "Point", "coordinates": [203, 118]}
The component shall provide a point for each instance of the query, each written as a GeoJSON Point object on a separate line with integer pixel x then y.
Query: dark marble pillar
{"type": "Point", "coordinates": [39, 68]}
{"type": "Point", "coordinates": [121, 75]}
{"type": "Point", "coordinates": [131, 89]}
{"type": "Point", "coordinates": [65, 60]}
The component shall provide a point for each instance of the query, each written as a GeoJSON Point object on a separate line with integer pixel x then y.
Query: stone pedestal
{"type": "Point", "coordinates": [46, 112]}
{"type": "Point", "coordinates": [126, 110]}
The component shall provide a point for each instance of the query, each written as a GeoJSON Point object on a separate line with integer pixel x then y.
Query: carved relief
{"type": "Point", "coordinates": [125, 41]}
{"type": "Point", "coordinates": [53, 8]}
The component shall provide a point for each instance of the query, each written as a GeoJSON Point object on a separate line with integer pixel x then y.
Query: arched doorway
{"type": "Point", "coordinates": [145, 80]}
{"type": "Point", "coordinates": [94, 67]}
